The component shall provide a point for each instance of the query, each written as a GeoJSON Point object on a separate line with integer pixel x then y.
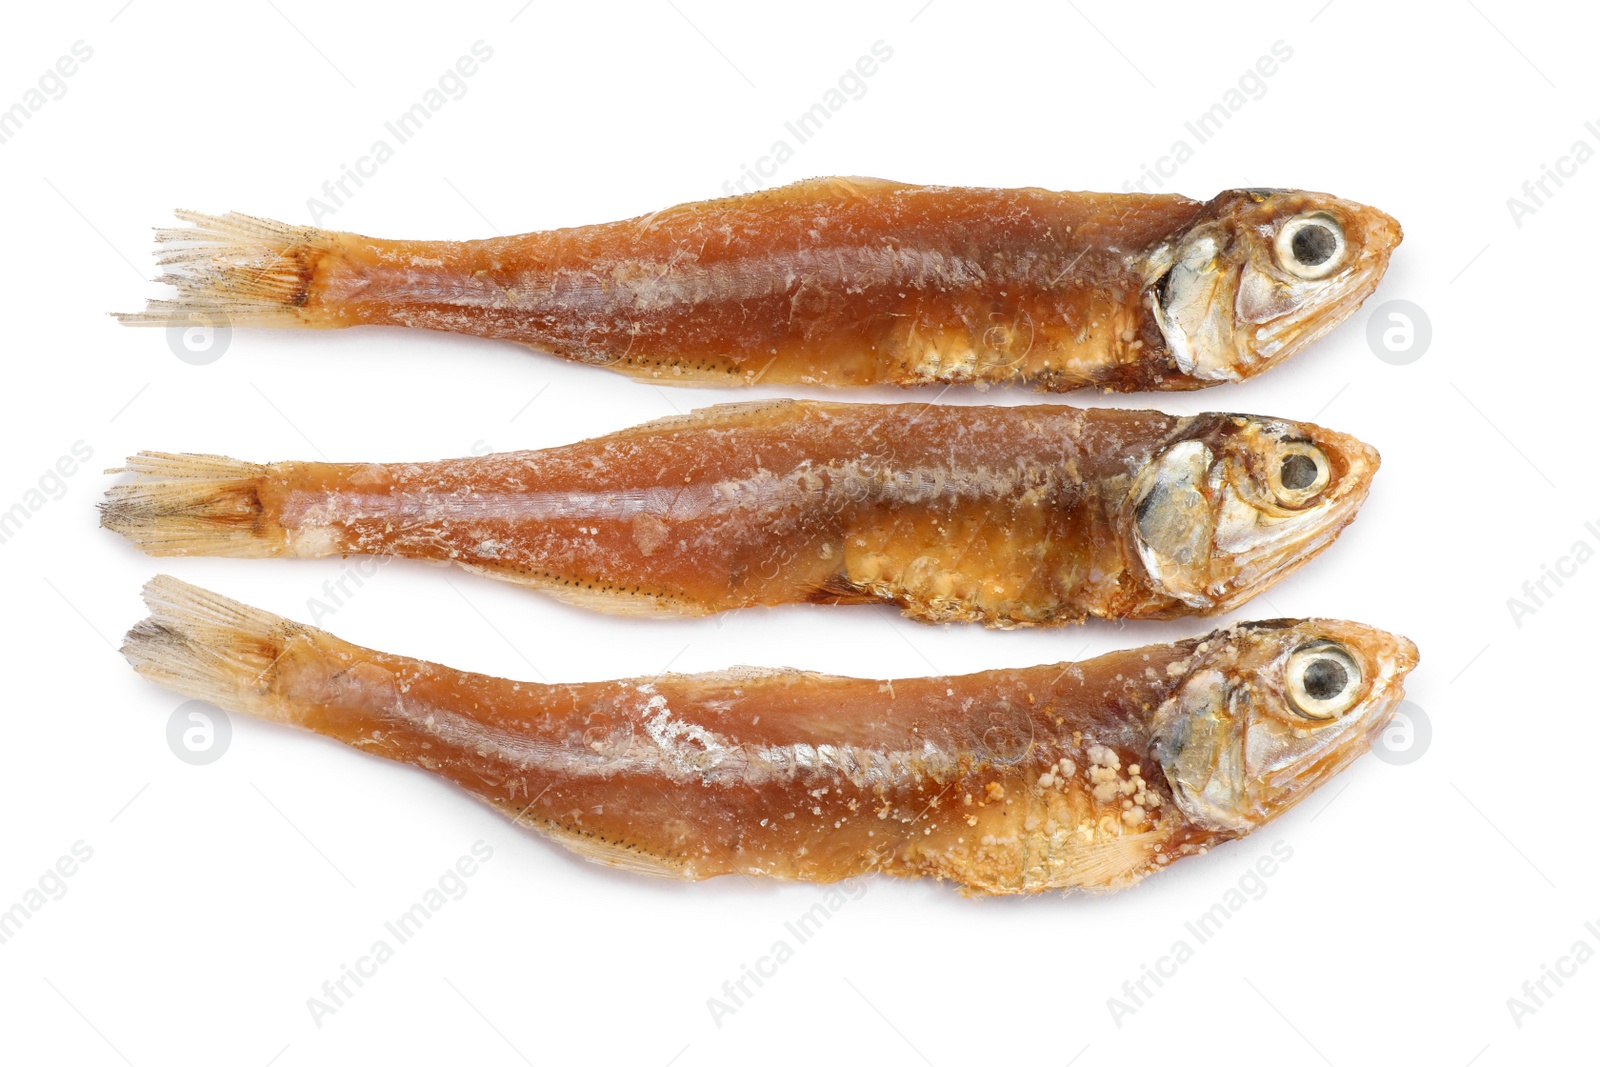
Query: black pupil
{"type": "Point", "coordinates": [1325, 679]}
{"type": "Point", "coordinates": [1313, 245]}
{"type": "Point", "coordinates": [1298, 472]}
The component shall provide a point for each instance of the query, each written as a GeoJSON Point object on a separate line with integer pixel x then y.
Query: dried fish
{"type": "Point", "coordinates": [1002, 515]}
{"type": "Point", "coordinates": [1070, 776]}
{"type": "Point", "coordinates": [837, 281]}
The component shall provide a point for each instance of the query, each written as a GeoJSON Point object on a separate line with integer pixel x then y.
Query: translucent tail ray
{"type": "Point", "coordinates": [235, 270]}
{"type": "Point", "coordinates": [209, 648]}
{"type": "Point", "coordinates": [192, 505]}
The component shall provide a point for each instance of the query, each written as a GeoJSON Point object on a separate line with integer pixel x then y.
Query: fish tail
{"type": "Point", "coordinates": [237, 270]}
{"type": "Point", "coordinates": [192, 505]}
{"type": "Point", "coordinates": [210, 648]}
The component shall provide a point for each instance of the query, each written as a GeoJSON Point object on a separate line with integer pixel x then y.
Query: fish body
{"type": "Point", "coordinates": [1070, 776]}
{"type": "Point", "coordinates": [838, 281]}
{"type": "Point", "coordinates": [1008, 516]}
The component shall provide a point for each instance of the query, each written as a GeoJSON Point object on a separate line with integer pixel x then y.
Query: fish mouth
{"type": "Point", "coordinates": [1396, 658]}
{"type": "Point", "coordinates": [1279, 339]}
{"type": "Point", "coordinates": [1259, 568]}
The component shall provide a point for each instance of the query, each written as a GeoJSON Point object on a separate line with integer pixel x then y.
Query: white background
{"type": "Point", "coordinates": [1418, 897]}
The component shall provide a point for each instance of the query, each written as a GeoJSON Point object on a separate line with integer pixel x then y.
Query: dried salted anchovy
{"type": "Point", "coordinates": [1070, 776]}
{"type": "Point", "coordinates": [838, 281]}
{"type": "Point", "coordinates": [1002, 515]}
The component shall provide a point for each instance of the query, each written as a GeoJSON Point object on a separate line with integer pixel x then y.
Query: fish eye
{"type": "Point", "coordinates": [1311, 246]}
{"type": "Point", "coordinates": [1323, 680]}
{"type": "Point", "coordinates": [1300, 472]}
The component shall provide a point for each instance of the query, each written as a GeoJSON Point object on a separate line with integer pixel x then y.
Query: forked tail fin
{"type": "Point", "coordinates": [192, 505]}
{"type": "Point", "coordinates": [236, 270]}
{"type": "Point", "coordinates": [210, 648]}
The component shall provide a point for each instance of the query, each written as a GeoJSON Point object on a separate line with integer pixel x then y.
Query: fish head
{"type": "Point", "coordinates": [1233, 503]}
{"type": "Point", "coordinates": [1268, 711]}
{"type": "Point", "coordinates": [1262, 273]}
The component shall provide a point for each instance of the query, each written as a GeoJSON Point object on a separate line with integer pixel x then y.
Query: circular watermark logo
{"type": "Point", "coordinates": [1399, 332]}
{"type": "Point", "coordinates": [202, 339]}
{"type": "Point", "coordinates": [611, 742]}
{"type": "Point", "coordinates": [1406, 737]}
{"type": "Point", "coordinates": [198, 733]}
{"type": "Point", "coordinates": [1007, 734]}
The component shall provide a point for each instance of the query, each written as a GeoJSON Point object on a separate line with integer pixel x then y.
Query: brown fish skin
{"type": "Point", "coordinates": [1008, 516]}
{"type": "Point", "coordinates": [1069, 776]}
{"type": "Point", "coordinates": [833, 281]}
